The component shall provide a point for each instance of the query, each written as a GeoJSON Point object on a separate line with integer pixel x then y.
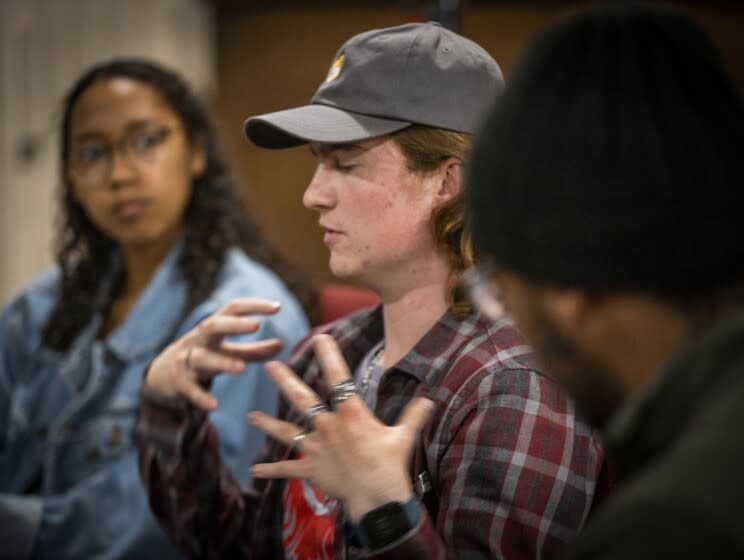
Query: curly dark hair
{"type": "Point", "coordinates": [215, 218]}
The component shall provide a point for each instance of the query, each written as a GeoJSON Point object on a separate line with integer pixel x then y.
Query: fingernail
{"type": "Point", "coordinates": [211, 404]}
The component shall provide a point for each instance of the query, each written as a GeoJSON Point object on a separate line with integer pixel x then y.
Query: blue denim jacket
{"type": "Point", "coordinates": [70, 418]}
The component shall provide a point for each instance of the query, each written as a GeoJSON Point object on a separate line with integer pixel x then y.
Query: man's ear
{"type": "Point", "coordinates": [573, 308]}
{"type": "Point", "coordinates": [451, 183]}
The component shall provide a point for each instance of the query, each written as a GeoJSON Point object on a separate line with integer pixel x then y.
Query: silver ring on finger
{"type": "Point", "coordinates": [341, 392]}
{"type": "Point", "coordinates": [308, 417]}
{"type": "Point", "coordinates": [297, 440]}
{"type": "Point", "coordinates": [199, 339]}
{"type": "Point", "coordinates": [187, 361]}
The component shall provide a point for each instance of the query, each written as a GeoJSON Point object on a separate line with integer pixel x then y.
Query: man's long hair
{"type": "Point", "coordinates": [425, 149]}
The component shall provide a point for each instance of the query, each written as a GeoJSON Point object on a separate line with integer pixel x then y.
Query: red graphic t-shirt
{"type": "Point", "coordinates": [309, 522]}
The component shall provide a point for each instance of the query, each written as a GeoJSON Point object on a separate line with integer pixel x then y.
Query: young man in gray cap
{"type": "Point", "coordinates": [606, 189]}
{"type": "Point", "coordinates": [503, 467]}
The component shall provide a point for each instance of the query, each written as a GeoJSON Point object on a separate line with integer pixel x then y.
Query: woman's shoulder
{"type": "Point", "coordinates": [23, 319]}
{"type": "Point", "coordinates": [241, 276]}
{"type": "Point", "coordinates": [37, 299]}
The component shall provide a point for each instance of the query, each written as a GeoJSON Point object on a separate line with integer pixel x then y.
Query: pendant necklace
{"type": "Point", "coordinates": [371, 365]}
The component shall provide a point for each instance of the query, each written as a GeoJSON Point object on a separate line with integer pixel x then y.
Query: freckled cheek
{"type": "Point", "coordinates": [362, 251]}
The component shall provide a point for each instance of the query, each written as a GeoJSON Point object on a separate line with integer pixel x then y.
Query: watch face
{"type": "Point", "coordinates": [384, 525]}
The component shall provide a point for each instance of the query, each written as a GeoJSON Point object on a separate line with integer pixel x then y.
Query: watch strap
{"type": "Point", "coordinates": [387, 523]}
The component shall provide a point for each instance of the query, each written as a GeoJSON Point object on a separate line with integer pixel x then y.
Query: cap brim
{"type": "Point", "coordinates": [316, 123]}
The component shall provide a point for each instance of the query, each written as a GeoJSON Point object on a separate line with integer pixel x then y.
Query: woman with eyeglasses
{"type": "Point", "coordinates": [153, 239]}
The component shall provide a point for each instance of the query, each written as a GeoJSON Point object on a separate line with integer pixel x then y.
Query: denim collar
{"type": "Point", "coordinates": [156, 315]}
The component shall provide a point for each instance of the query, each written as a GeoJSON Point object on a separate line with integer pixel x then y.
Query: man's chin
{"type": "Point", "coordinates": [343, 270]}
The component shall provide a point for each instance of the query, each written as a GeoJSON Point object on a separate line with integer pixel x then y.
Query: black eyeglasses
{"type": "Point", "coordinates": [91, 158]}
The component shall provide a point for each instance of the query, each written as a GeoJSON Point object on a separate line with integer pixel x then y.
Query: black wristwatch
{"type": "Point", "coordinates": [388, 523]}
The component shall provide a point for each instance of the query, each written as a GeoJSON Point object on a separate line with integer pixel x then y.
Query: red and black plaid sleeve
{"type": "Point", "coordinates": [513, 469]}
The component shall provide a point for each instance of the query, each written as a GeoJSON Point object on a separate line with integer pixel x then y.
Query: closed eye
{"type": "Point", "coordinates": [343, 166]}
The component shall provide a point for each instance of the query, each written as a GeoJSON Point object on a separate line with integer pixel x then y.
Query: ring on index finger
{"type": "Point", "coordinates": [187, 361]}
{"type": "Point", "coordinates": [199, 339]}
{"type": "Point", "coordinates": [308, 417]}
{"type": "Point", "coordinates": [341, 392]}
{"type": "Point", "coordinates": [297, 440]}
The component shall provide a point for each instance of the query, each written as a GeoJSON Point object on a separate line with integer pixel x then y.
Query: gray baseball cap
{"type": "Point", "coordinates": [385, 80]}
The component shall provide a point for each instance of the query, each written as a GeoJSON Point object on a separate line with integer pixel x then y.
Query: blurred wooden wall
{"type": "Point", "coordinates": [271, 58]}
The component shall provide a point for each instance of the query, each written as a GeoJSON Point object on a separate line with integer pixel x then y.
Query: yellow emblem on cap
{"type": "Point", "coordinates": [335, 68]}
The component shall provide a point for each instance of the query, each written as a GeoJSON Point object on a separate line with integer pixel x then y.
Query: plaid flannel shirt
{"type": "Point", "coordinates": [512, 470]}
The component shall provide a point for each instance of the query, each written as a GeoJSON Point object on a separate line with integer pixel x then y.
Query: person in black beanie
{"type": "Point", "coordinates": [603, 193]}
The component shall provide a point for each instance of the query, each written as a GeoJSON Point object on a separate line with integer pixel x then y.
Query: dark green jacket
{"type": "Point", "coordinates": [680, 448]}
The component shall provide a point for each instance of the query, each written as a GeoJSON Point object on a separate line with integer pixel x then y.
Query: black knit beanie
{"type": "Point", "coordinates": [615, 158]}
